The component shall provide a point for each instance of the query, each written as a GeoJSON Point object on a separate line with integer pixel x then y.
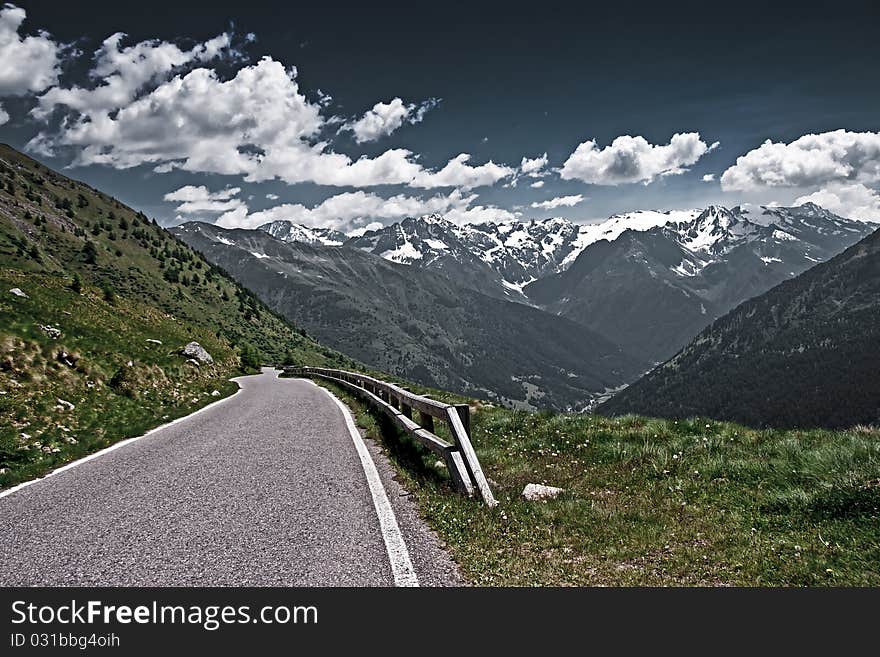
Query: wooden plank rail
{"type": "Point", "coordinates": [399, 404]}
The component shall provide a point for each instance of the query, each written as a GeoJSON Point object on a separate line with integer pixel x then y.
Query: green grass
{"type": "Point", "coordinates": [655, 502]}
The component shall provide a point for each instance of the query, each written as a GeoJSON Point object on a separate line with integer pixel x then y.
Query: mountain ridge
{"type": "Point", "coordinates": [802, 355]}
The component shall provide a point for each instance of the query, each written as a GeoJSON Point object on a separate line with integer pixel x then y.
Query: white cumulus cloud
{"type": "Point", "coordinates": [559, 202]}
{"type": "Point", "coordinates": [709, 177]}
{"type": "Point", "coordinates": [533, 167]}
{"type": "Point", "coordinates": [4, 117]}
{"type": "Point", "coordinates": [810, 160]}
{"type": "Point", "coordinates": [385, 118]}
{"type": "Point", "coordinates": [353, 210]}
{"type": "Point", "coordinates": [199, 200]}
{"type": "Point", "coordinates": [458, 173]}
{"type": "Point", "coordinates": [853, 200]}
{"type": "Point", "coordinates": [28, 64]}
{"type": "Point", "coordinates": [257, 125]}
{"type": "Point", "coordinates": [537, 184]}
{"type": "Point", "coordinates": [123, 72]}
{"type": "Point", "coordinates": [633, 159]}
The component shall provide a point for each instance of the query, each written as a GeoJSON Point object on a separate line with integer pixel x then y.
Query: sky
{"type": "Point", "coordinates": [347, 116]}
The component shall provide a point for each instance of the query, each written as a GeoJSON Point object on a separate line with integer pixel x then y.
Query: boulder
{"type": "Point", "coordinates": [538, 492]}
{"type": "Point", "coordinates": [215, 393]}
{"type": "Point", "coordinates": [17, 292]}
{"type": "Point", "coordinates": [51, 331]}
{"type": "Point", "coordinates": [64, 405]}
{"type": "Point", "coordinates": [67, 358]}
{"type": "Point", "coordinates": [196, 351]}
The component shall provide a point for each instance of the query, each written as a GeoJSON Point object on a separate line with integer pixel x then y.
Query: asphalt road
{"type": "Point", "coordinates": [265, 488]}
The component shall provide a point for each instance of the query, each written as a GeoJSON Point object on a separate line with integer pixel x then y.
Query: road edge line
{"type": "Point", "coordinates": [398, 554]}
{"type": "Point", "coordinates": [114, 446]}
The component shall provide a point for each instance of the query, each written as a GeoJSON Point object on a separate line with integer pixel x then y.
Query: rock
{"type": "Point", "coordinates": [215, 393]}
{"type": "Point", "coordinates": [67, 358]}
{"type": "Point", "coordinates": [51, 331]}
{"type": "Point", "coordinates": [537, 492]}
{"type": "Point", "coordinates": [17, 292]}
{"type": "Point", "coordinates": [197, 351]}
{"type": "Point", "coordinates": [65, 405]}
{"type": "Point", "coordinates": [193, 362]}
{"type": "Point", "coordinates": [154, 341]}
{"type": "Point", "coordinates": [439, 465]}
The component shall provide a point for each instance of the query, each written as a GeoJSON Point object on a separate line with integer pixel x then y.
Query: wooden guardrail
{"type": "Point", "coordinates": [400, 405]}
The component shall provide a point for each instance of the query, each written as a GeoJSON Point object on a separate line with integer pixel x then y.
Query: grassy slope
{"type": "Point", "coordinates": [125, 300]}
{"type": "Point", "coordinates": [656, 502]}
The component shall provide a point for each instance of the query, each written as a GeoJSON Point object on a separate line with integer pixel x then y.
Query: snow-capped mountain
{"type": "Point", "coordinates": [508, 255]}
{"type": "Point", "coordinates": [655, 289]}
{"type": "Point", "coordinates": [287, 231]}
{"type": "Point", "coordinates": [646, 280]}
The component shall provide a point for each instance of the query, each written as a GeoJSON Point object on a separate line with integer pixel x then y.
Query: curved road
{"type": "Point", "coordinates": [265, 488]}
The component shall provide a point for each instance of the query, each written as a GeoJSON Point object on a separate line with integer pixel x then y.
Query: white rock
{"type": "Point", "coordinates": [154, 341]}
{"type": "Point", "coordinates": [51, 331]}
{"type": "Point", "coordinates": [537, 492]}
{"type": "Point", "coordinates": [65, 404]}
{"type": "Point", "coordinates": [197, 351]}
{"type": "Point", "coordinates": [17, 292]}
{"type": "Point", "coordinates": [439, 465]}
{"type": "Point", "coordinates": [215, 393]}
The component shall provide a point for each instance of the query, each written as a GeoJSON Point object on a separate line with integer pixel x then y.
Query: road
{"type": "Point", "coordinates": [265, 488]}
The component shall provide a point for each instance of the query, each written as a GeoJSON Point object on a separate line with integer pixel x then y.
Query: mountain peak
{"type": "Point", "coordinates": [287, 231]}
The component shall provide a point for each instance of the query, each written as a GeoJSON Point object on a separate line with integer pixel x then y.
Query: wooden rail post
{"type": "Point", "coordinates": [426, 421]}
{"type": "Point", "coordinates": [470, 456]}
{"type": "Point", "coordinates": [464, 412]}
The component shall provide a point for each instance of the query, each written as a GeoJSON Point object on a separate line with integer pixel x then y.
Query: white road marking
{"type": "Point", "coordinates": [398, 555]}
{"type": "Point", "coordinates": [114, 446]}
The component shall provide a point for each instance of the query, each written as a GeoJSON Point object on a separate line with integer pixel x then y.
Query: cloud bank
{"type": "Point", "coordinates": [347, 211]}
{"type": "Point", "coordinates": [810, 160]}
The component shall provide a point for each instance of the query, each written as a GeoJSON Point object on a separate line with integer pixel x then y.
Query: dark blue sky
{"type": "Point", "coordinates": [521, 81]}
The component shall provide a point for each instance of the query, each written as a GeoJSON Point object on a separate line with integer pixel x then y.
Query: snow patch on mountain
{"type": "Point", "coordinates": [287, 231]}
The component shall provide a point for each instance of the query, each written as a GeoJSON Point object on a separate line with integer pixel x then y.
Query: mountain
{"type": "Point", "coordinates": [646, 280]}
{"type": "Point", "coordinates": [652, 290]}
{"type": "Point", "coordinates": [803, 354]}
{"type": "Point", "coordinates": [420, 324]}
{"type": "Point", "coordinates": [498, 259]}
{"type": "Point", "coordinates": [287, 231]}
{"type": "Point", "coordinates": [96, 303]}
